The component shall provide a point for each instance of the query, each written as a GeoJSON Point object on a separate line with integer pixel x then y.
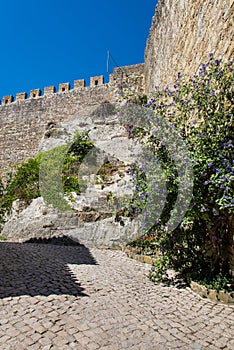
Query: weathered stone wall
{"type": "Point", "coordinates": [182, 35]}
{"type": "Point", "coordinates": [98, 217]}
{"type": "Point", "coordinates": [44, 122]}
{"type": "Point", "coordinates": [132, 76]}
{"type": "Point", "coordinates": [24, 122]}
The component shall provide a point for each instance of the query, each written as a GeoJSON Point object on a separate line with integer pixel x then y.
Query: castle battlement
{"type": "Point", "coordinates": [26, 118]}
{"type": "Point", "coordinates": [129, 74]}
{"type": "Point", "coordinates": [48, 90]}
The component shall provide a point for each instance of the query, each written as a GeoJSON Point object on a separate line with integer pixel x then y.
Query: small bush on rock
{"type": "Point", "coordinates": [23, 182]}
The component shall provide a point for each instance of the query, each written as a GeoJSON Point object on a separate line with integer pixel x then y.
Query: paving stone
{"type": "Point", "coordinates": [20, 346]}
{"type": "Point", "coordinates": [120, 309]}
{"type": "Point", "coordinates": [71, 330]}
{"type": "Point", "coordinates": [45, 341]}
{"type": "Point", "coordinates": [84, 341]}
{"type": "Point", "coordinates": [35, 337]}
{"type": "Point", "coordinates": [92, 346]}
{"type": "Point", "coordinates": [78, 336]}
{"type": "Point", "coordinates": [47, 347]}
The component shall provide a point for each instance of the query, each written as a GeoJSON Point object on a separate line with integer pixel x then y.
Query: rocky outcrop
{"type": "Point", "coordinates": [96, 217]}
{"type": "Point", "coordinates": [87, 226]}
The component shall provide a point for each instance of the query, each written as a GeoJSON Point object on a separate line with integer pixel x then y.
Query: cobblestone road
{"type": "Point", "coordinates": [54, 297]}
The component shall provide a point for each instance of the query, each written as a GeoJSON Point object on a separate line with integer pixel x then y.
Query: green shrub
{"type": "Point", "coordinates": [24, 184]}
{"type": "Point", "coordinates": [200, 110]}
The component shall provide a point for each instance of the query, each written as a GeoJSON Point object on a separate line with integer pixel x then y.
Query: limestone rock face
{"type": "Point", "coordinates": [96, 217]}
{"type": "Point", "coordinates": [87, 226]}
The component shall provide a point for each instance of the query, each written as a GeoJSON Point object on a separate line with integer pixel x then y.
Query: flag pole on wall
{"type": "Point", "coordinates": [107, 63]}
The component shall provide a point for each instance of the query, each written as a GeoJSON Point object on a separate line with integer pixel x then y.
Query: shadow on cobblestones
{"type": "Point", "coordinates": [40, 269]}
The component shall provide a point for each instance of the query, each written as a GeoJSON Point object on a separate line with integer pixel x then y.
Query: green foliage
{"type": "Point", "coordinates": [110, 197]}
{"type": "Point", "coordinates": [105, 170]}
{"type": "Point", "coordinates": [55, 170]}
{"type": "Point", "coordinates": [218, 282]}
{"type": "Point", "coordinates": [51, 179]}
{"type": "Point", "coordinates": [201, 112]}
{"type": "Point", "coordinates": [24, 185]}
{"type": "Point", "coordinates": [147, 245]}
{"type": "Point", "coordinates": [139, 199]}
{"type": "Point", "coordinates": [158, 272]}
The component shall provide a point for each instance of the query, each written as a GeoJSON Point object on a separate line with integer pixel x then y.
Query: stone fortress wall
{"type": "Point", "coordinates": [24, 121]}
{"type": "Point", "coordinates": [132, 75]}
{"type": "Point", "coordinates": [182, 35]}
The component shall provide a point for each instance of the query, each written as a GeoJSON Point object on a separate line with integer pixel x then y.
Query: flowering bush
{"type": "Point", "coordinates": [201, 112]}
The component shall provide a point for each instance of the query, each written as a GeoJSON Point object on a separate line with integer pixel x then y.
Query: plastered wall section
{"type": "Point", "coordinates": [24, 122]}
{"type": "Point", "coordinates": [182, 35]}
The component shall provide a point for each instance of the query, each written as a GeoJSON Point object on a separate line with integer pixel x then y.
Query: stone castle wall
{"type": "Point", "coordinates": [24, 121]}
{"type": "Point", "coordinates": [182, 35]}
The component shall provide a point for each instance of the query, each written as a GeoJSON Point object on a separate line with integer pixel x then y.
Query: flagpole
{"type": "Point", "coordinates": [107, 63]}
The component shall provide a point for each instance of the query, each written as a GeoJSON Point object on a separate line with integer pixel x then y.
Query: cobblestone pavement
{"type": "Point", "coordinates": [54, 297]}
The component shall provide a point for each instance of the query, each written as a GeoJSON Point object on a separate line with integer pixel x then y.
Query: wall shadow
{"type": "Point", "coordinates": [35, 269]}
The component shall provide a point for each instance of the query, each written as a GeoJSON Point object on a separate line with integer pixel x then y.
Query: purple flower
{"type": "Point", "coordinates": [218, 61]}
{"type": "Point", "coordinates": [210, 164]}
{"type": "Point", "coordinates": [150, 103]}
{"type": "Point", "coordinates": [176, 85]}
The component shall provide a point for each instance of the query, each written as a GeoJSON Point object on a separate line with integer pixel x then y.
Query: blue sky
{"type": "Point", "coordinates": [48, 42]}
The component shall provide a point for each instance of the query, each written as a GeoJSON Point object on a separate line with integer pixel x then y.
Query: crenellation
{"type": "Point", "coordinates": [132, 75]}
{"type": "Point", "coordinates": [6, 100]}
{"type": "Point", "coordinates": [35, 93]}
{"type": "Point", "coordinates": [64, 87]}
{"type": "Point", "coordinates": [48, 90]}
{"type": "Point", "coordinates": [98, 80]}
{"type": "Point", "coordinates": [24, 123]}
{"type": "Point", "coordinates": [79, 84]}
{"type": "Point", "coordinates": [21, 96]}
